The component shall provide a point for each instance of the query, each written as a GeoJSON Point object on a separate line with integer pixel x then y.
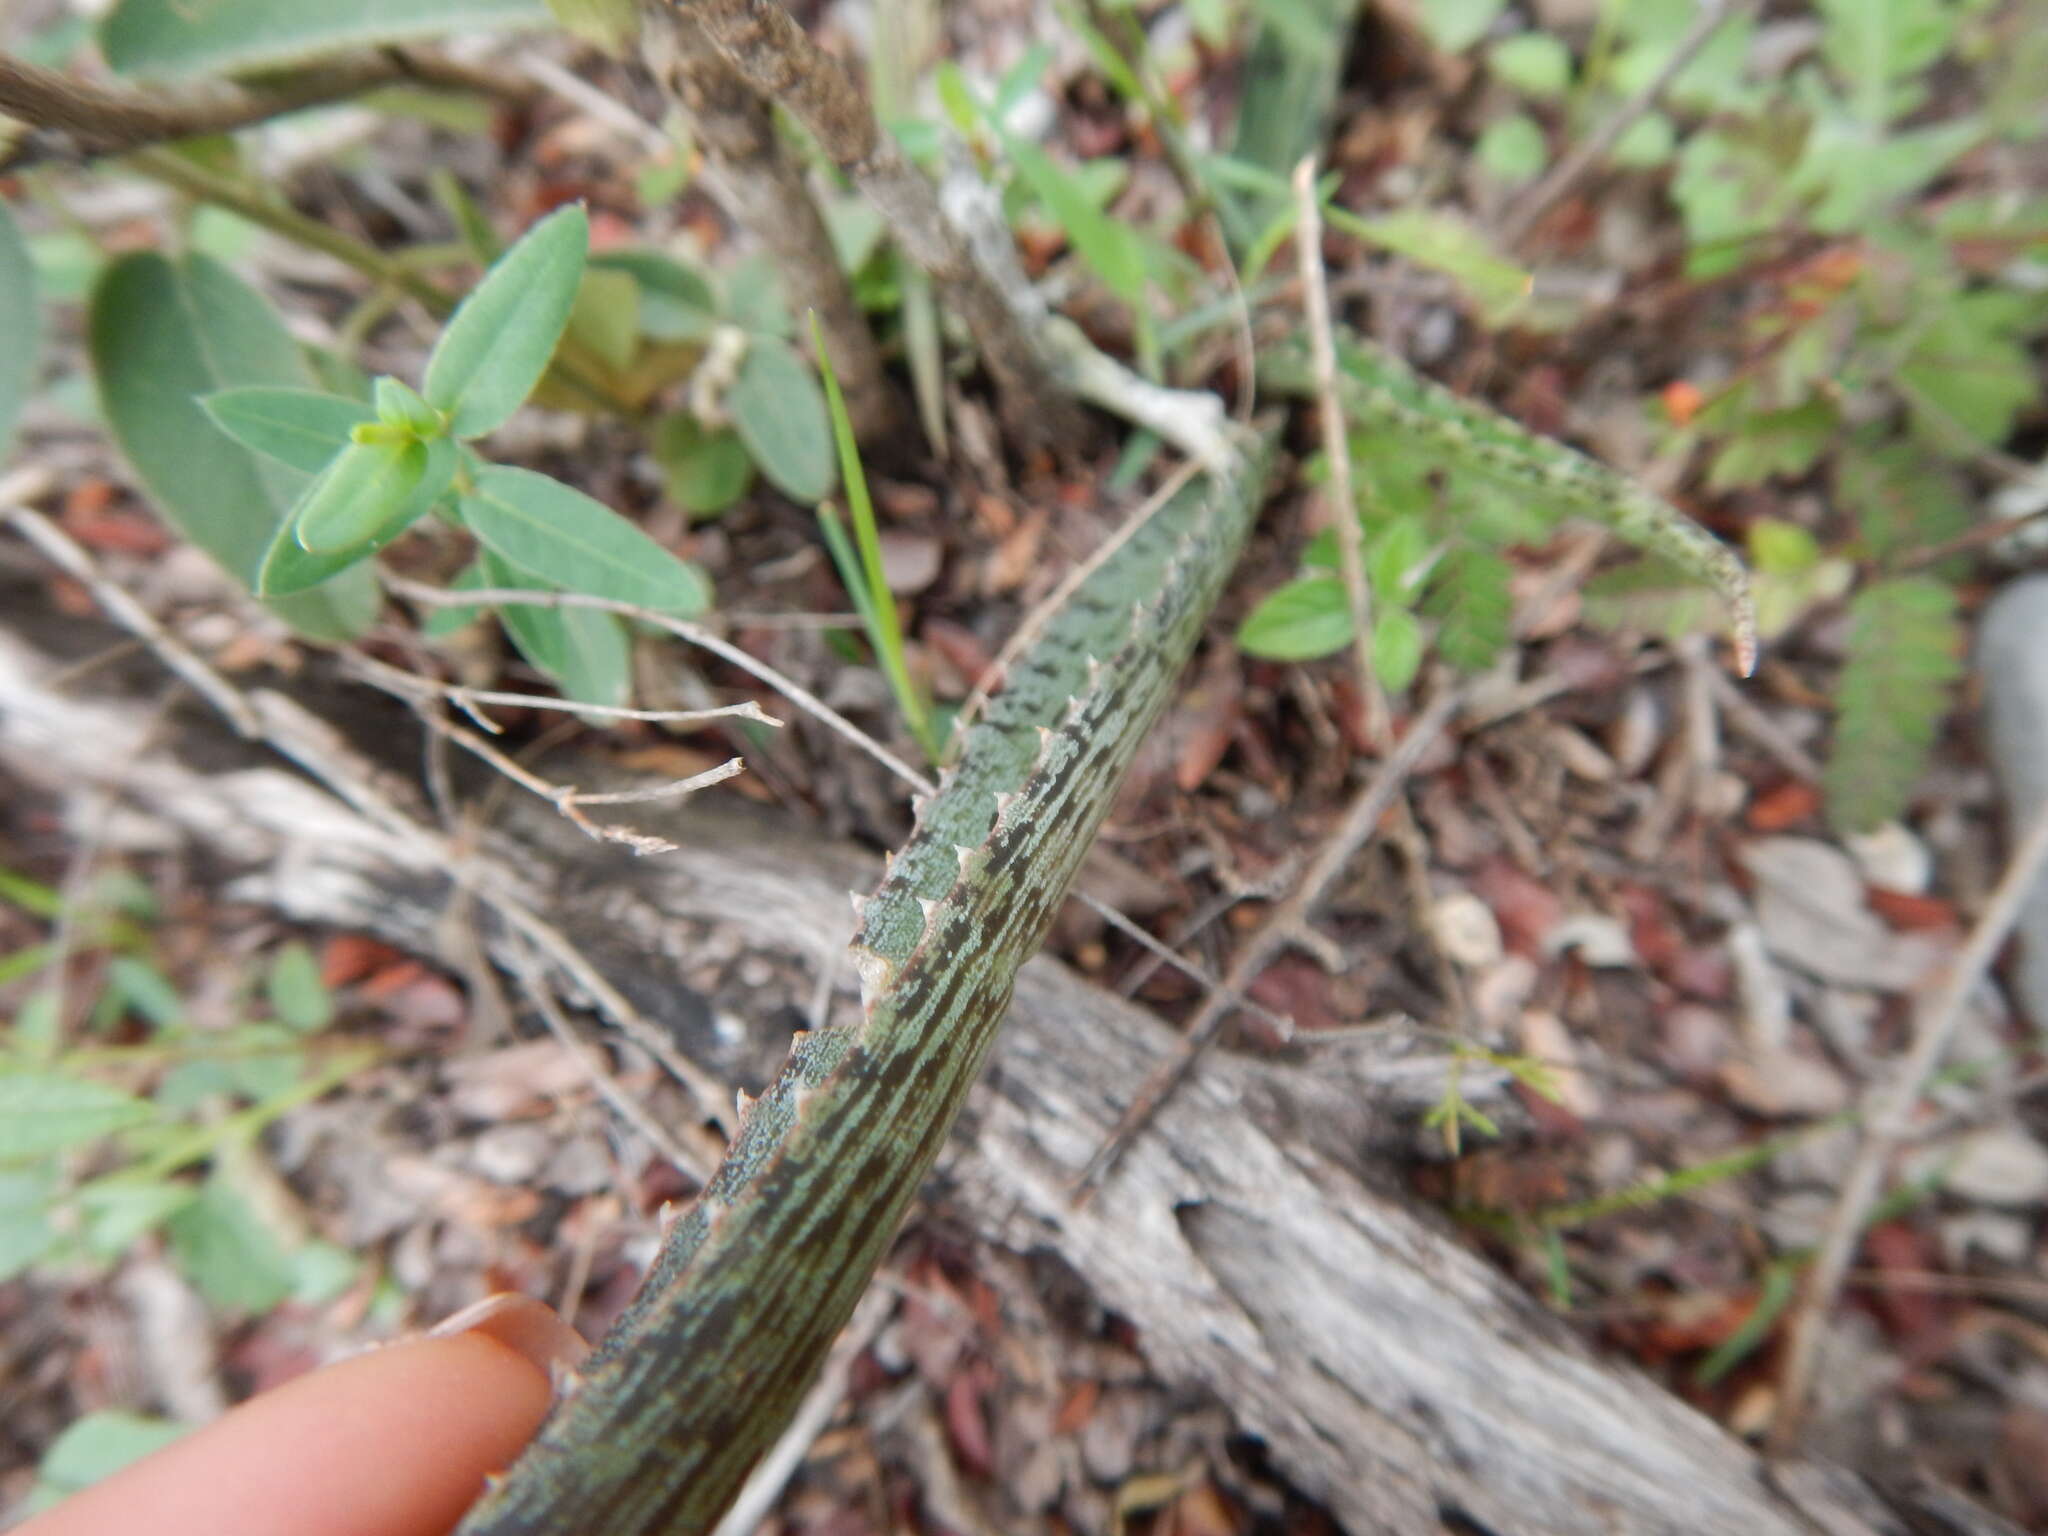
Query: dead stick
{"type": "Point", "coordinates": [60, 115]}
{"type": "Point", "coordinates": [1888, 1121]}
{"type": "Point", "coordinates": [1278, 930]}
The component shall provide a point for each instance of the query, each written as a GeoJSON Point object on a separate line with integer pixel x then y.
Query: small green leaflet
{"type": "Point", "coordinates": [225, 1249]}
{"type": "Point", "coordinates": [1307, 618]}
{"type": "Point", "coordinates": [1396, 647]}
{"type": "Point", "coordinates": [586, 652]}
{"type": "Point", "coordinates": [96, 1447]}
{"type": "Point", "coordinates": [568, 540]}
{"type": "Point", "coordinates": [676, 303]}
{"type": "Point", "coordinates": [303, 428]}
{"type": "Point", "coordinates": [47, 1112]}
{"type": "Point", "coordinates": [298, 996]}
{"type": "Point", "coordinates": [361, 526]}
{"type": "Point", "coordinates": [498, 342]}
{"type": "Point", "coordinates": [706, 471]}
{"type": "Point", "coordinates": [365, 488]}
{"type": "Point", "coordinates": [399, 405]}
{"type": "Point", "coordinates": [1904, 657]}
{"type": "Point", "coordinates": [779, 412]}
{"type": "Point", "coordinates": [1469, 597]}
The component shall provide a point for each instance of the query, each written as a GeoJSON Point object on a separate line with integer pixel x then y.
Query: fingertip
{"type": "Point", "coordinates": [523, 1325]}
{"type": "Point", "coordinates": [395, 1442]}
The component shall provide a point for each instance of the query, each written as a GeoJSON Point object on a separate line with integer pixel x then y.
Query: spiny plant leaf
{"type": "Point", "coordinates": [1904, 656]}
{"type": "Point", "coordinates": [827, 1159]}
{"type": "Point", "coordinates": [1380, 391]}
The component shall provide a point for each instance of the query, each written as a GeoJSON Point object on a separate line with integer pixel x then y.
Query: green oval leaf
{"type": "Point", "coordinates": [1396, 648]}
{"type": "Point", "coordinates": [1399, 561]}
{"type": "Point", "coordinates": [358, 496]}
{"type": "Point", "coordinates": [165, 333]}
{"type": "Point", "coordinates": [46, 1112]}
{"type": "Point", "coordinates": [500, 338]}
{"type": "Point", "coordinates": [96, 1447]}
{"type": "Point", "coordinates": [779, 412]}
{"type": "Point", "coordinates": [298, 996]}
{"type": "Point", "coordinates": [1301, 621]}
{"type": "Point", "coordinates": [605, 316]}
{"type": "Point", "coordinates": [399, 405]}
{"type": "Point", "coordinates": [302, 428]}
{"type": "Point", "coordinates": [588, 653]}
{"type": "Point", "coordinates": [178, 37]}
{"type": "Point", "coordinates": [227, 1249]}
{"type": "Point", "coordinates": [676, 303]}
{"type": "Point", "coordinates": [288, 566]}
{"type": "Point", "coordinates": [19, 321]}
{"type": "Point", "coordinates": [565, 538]}
{"type": "Point", "coordinates": [706, 471]}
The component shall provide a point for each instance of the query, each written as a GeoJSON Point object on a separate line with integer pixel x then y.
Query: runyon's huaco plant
{"type": "Point", "coordinates": [659, 1427]}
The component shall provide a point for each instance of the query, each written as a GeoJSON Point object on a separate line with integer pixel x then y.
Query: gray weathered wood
{"type": "Point", "coordinates": [1395, 1375]}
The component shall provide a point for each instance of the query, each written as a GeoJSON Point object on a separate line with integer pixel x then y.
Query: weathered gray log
{"type": "Point", "coordinates": [1394, 1375]}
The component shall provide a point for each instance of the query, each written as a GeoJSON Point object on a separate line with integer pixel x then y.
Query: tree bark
{"type": "Point", "coordinates": [763, 191]}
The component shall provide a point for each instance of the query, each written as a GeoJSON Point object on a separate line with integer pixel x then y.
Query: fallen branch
{"type": "Point", "coordinates": [1889, 1120]}
{"type": "Point", "coordinates": [58, 116]}
{"type": "Point", "coordinates": [1389, 1373]}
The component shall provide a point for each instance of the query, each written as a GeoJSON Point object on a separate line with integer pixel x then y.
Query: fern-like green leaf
{"type": "Point", "coordinates": [1905, 654]}
{"type": "Point", "coordinates": [1468, 597]}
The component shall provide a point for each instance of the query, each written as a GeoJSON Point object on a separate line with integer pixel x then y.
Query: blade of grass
{"type": "Point", "coordinates": [884, 626]}
{"type": "Point", "coordinates": [1781, 1284]}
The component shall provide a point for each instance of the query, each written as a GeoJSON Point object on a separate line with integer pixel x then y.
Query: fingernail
{"type": "Point", "coordinates": [524, 1326]}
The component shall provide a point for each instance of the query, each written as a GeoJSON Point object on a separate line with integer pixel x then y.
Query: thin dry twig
{"type": "Point", "coordinates": [61, 116]}
{"type": "Point", "coordinates": [541, 993]}
{"type": "Point", "coordinates": [1342, 511]}
{"type": "Point", "coordinates": [1281, 928]}
{"type": "Point", "coordinates": [305, 739]}
{"type": "Point", "coordinates": [471, 700]}
{"type": "Point", "coordinates": [59, 547]}
{"type": "Point", "coordinates": [805, 700]}
{"type": "Point", "coordinates": [1545, 195]}
{"type": "Point", "coordinates": [1888, 1121]}
{"type": "Point", "coordinates": [1744, 715]}
{"type": "Point", "coordinates": [567, 798]}
{"type": "Point", "coordinates": [1340, 500]}
{"type": "Point", "coordinates": [682, 629]}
